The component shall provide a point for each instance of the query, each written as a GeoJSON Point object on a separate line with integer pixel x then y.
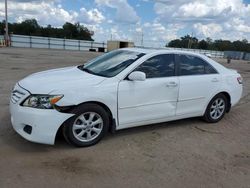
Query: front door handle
{"type": "Point", "coordinates": [215, 80]}
{"type": "Point", "coordinates": [172, 84]}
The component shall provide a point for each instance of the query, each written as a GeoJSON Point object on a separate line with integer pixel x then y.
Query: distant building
{"type": "Point", "coordinates": [112, 45]}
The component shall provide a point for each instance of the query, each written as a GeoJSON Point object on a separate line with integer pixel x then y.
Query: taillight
{"type": "Point", "coordinates": [240, 80]}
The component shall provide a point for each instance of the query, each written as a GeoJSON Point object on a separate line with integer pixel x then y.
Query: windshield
{"type": "Point", "coordinates": [112, 63]}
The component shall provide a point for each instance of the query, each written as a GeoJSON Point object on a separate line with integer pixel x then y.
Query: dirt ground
{"type": "Point", "coordinates": [185, 153]}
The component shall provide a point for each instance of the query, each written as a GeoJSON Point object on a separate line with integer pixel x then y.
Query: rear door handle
{"type": "Point", "coordinates": [215, 80]}
{"type": "Point", "coordinates": [172, 84]}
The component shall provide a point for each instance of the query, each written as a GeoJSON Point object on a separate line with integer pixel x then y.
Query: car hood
{"type": "Point", "coordinates": [58, 79]}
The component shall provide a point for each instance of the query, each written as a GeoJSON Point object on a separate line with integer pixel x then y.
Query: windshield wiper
{"type": "Point", "coordinates": [81, 67]}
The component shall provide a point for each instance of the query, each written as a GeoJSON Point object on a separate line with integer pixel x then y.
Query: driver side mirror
{"type": "Point", "coordinates": [137, 76]}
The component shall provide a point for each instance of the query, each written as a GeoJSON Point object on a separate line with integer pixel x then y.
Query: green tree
{"type": "Point", "coordinates": [203, 45]}
{"type": "Point", "coordinates": [185, 42]}
{"type": "Point", "coordinates": [189, 42]}
{"type": "Point", "coordinates": [175, 43]}
{"type": "Point", "coordinates": [31, 27]}
{"type": "Point", "coordinates": [221, 45]}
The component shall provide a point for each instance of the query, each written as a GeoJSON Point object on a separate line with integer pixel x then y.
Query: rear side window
{"type": "Point", "coordinates": [158, 66]}
{"type": "Point", "coordinates": [191, 65]}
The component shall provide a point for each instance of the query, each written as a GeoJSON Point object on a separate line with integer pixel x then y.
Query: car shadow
{"type": "Point", "coordinates": [9, 137]}
{"type": "Point", "coordinates": [189, 122]}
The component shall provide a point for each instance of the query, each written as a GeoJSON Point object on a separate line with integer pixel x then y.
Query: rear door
{"type": "Point", "coordinates": [198, 81]}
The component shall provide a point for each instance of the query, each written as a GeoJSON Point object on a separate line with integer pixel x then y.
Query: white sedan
{"type": "Point", "coordinates": [121, 89]}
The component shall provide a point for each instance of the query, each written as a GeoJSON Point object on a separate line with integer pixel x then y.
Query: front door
{"type": "Point", "coordinates": [152, 99]}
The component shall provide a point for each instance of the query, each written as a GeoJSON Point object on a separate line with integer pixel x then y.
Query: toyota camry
{"type": "Point", "coordinates": [121, 89]}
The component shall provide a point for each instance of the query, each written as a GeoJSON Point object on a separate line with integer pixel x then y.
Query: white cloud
{"type": "Point", "coordinates": [240, 25]}
{"type": "Point", "coordinates": [165, 33]}
{"type": "Point", "coordinates": [158, 27]}
{"type": "Point", "coordinates": [154, 34]}
{"type": "Point", "coordinates": [225, 19]}
{"type": "Point", "coordinates": [48, 12]}
{"type": "Point", "coordinates": [207, 18]}
{"type": "Point", "coordinates": [208, 30]}
{"type": "Point", "coordinates": [124, 12]}
{"type": "Point", "coordinates": [147, 24]}
{"type": "Point", "coordinates": [138, 30]}
{"type": "Point", "coordinates": [118, 34]}
{"type": "Point", "coordinates": [110, 21]}
{"type": "Point", "coordinates": [212, 8]}
{"type": "Point", "coordinates": [90, 16]}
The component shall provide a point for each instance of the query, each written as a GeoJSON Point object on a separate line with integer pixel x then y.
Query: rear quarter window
{"type": "Point", "coordinates": [192, 65]}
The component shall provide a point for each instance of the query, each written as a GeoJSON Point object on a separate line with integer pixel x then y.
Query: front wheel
{"type": "Point", "coordinates": [87, 127]}
{"type": "Point", "coordinates": [216, 109]}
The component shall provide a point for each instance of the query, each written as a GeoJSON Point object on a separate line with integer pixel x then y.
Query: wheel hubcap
{"type": "Point", "coordinates": [87, 126]}
{"type": "Point", "coordinates": [217, 108]}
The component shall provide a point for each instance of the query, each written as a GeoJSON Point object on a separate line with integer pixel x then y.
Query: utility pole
{"type": "Point", "coordinates": [142, 35]}
{"type": "Point", "coordinates": [6, 24]}
{"type": "Point", "coordinates": [190, 41]}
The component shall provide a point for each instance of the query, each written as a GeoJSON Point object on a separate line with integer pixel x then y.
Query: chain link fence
{"type": "Point", "coordinates": [56, 43]}
{"type": "Point", "coordinates": [83, 45]}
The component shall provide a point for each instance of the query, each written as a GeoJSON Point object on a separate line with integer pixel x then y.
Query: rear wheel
{"type": "Point", "coordinates": [87, 127]}
{"type": "Point", "coordinates": [216, 109]}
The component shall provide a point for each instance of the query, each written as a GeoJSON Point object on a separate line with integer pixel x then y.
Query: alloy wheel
{"type": "Point", "coordinates": [217, 108]}
{"type": "Point", "coordinates": [87, 126]}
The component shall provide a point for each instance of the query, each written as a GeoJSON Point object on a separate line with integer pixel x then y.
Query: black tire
{"type": "Point", "coordinates": [208, 117]}
{"type": "Point", "coordinates": [68, 132]}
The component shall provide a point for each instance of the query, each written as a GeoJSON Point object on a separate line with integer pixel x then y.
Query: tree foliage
{"type": "Point", "coordinates": [208, 44]}
{"type": "Point", "coordinates": [31, 27]}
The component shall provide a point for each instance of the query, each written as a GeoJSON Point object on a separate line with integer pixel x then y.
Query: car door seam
{"type": "Point", "coordinates": [148, 104]}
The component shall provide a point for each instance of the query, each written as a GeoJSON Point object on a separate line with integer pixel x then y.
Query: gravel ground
{"type": "Point", "coordinates": [185, 153]}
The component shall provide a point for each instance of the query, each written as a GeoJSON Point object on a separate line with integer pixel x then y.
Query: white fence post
{"type": "Point", "coordinates": [30, 41]}
{"type": "Point", "coordinates": [49, 42]}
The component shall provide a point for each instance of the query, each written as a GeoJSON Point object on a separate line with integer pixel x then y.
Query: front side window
{"type": "Point", "coordinates": [191, 65]}
{"type": "Point", "coordinates": [112, 63]}
{"type": "Point", "coordinates": [158, 66]}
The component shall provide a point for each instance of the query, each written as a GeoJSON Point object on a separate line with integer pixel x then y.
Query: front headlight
{"type": "Point", "coordinates": [42, 101]}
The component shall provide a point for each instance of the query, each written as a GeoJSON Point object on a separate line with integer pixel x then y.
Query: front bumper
{"type": "Point", "coordinates": [44, 123]}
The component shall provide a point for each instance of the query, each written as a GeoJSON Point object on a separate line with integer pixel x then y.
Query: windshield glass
{"type": "Point", "coordinates": [112, 63]}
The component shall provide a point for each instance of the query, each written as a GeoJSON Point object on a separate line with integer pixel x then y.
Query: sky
{"type": "Point", "coordinates": [148, 22]}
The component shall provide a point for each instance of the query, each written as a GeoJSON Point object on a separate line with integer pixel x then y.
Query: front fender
{"type": "Point", "coordinates": [106, 95]}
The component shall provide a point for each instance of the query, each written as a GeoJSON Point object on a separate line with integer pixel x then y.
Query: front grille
{"type": "Point", "coordinates": [16, 95]}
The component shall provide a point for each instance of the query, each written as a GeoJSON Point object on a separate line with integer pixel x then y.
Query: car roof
{"type": "Point", "coordinates": [149, 51]}
{"type": "Point", "coordinates": [140, 50]}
